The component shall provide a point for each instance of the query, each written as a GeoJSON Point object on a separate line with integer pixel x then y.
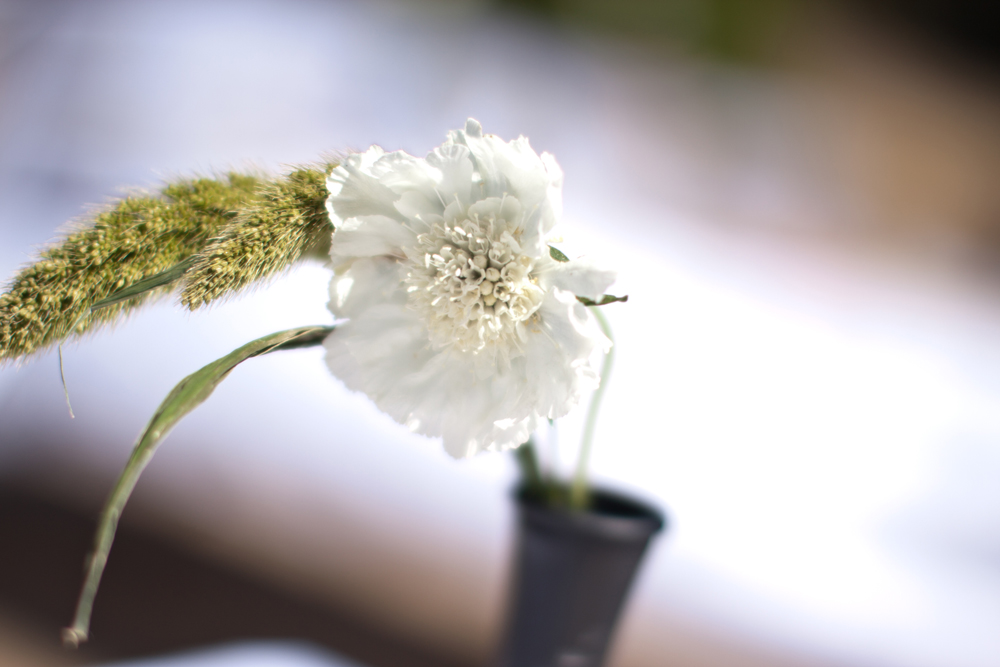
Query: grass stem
{"type": "Point", "coordinates": [579, 495]}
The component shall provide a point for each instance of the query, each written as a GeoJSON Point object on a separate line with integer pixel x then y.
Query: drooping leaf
{"type": "Point", "coordinates": [605, 300]}
{"type": "Point", "coordinates": [191, 392]}
{"type": "Point", "coordinates": [557, 254]}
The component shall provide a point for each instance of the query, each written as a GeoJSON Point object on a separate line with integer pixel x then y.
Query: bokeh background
{"type": "Point", "coordinates": [803, 200]}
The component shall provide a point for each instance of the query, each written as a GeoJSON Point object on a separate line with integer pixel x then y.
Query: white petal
{"type": "Point", "coordinates": [552, 207]}
{"type": "Point", "coordinates": [355, 191]}
{"type": "Point", "coordinates": [369, 236]}
{"type": "Point", "coordinates": [485, 208]}
{"type": "Point", "coordinates": [579, 277]}
{"type": "Point", "coordinates": [492, 182]}
{"type": "Point", "coordinates": [382, 351]}
{"type": "Point", "coordinates": [382, 338]}
{"type": "Point", "coordinates": [522, 169]}
{"type": "Point", "coordinates": [418, 207]}
{"type": "Point", "coordinates": [455, 164]}
{"type": "Point", "coordinates": [401, 172]}
{"type": "Point", "coordinates": [511, 209]}
{"type": "Point", "coordinates": [372, 280]}
{"type": "Point", "coordinates": [558, 361]}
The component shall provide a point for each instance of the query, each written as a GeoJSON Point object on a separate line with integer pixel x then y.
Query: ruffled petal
{"type": "Point", "coordinates": [557, 362]}
{"type": "Point", "coordinates": [579, 277]}
{"type": "Point", "coordinates": [382, 338]}
{"type": "Point", "coordinates": [417, 207]}
{"type": "Point", "coordinates": [369, 236]}
{"type": "Point", "coordinates": [355, 191]}
{"type": "Point", "coordinates": [522, 170]}
{"type": "Point", "coordinates": [455, 164]}
{"type": "Point", "coordinates": [382, 351]}
{"type": "Point", "coordinates": [551, 209]}
{"type": "Point", "coordinates": [401, 172]}
{"type": "Point", "coordinates": [458, 323]}
{"type": "Point", "coordinates": [491, 180]}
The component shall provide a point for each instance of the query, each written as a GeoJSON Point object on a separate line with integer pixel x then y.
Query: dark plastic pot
{"type": "Point", "coordinates": [572, 572]}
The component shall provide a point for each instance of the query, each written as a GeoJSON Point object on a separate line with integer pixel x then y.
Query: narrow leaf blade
{"type": "Point", "coordinates": [191, 392]}
{"type": "Point", "coordinates": [605, 300]}
{"type": "Point", "coordinates": [171, 275]}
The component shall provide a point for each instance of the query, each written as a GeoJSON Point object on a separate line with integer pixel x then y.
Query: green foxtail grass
{"type": "Point", "coordinates": [208, 237]}
{"type": "Point", "coordinates": [286, 222]}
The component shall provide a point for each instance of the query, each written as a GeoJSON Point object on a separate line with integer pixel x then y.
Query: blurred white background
{"type": "Point", "coordinates": [807, 365]}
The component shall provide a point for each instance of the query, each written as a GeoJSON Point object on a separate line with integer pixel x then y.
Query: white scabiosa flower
{"type": "Point", "coordinates": [459, 323]}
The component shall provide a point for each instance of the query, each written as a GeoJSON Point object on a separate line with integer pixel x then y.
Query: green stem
{"type": "Point", "coordinates": [527, 460]}
{"type": "Point", "coordinates": [579, 495]}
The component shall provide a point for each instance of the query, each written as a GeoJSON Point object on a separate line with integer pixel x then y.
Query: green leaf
{"type": "Point", "coordinates": [171, 275]}
{"type": "Point", "coordinates": [557, 254]}
{"type": "Point", "coordinates": [191, 392]}
{"type": "Point", "coordinates": [605, 300]}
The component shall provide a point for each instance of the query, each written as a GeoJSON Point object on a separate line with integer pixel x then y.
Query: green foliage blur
{"type": "Point", "coordinates": [734, 31]}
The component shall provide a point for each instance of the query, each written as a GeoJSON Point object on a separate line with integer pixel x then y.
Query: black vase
{"type": "Point", "coordinates": [573, 570]}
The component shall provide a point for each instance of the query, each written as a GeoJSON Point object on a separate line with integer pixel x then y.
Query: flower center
{"type": "Point", "coordinates": [474, 286]}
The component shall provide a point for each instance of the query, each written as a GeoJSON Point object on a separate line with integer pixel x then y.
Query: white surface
{"type": "Point", "coordinates": [823, 430]}
{"type": "Point", "coordinates": [250, 654]}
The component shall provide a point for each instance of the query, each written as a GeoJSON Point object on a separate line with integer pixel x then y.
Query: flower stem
{"type": "Point", "coordinates": [527, 461]}
{"type": "Point", "coordinates": [579, 495]}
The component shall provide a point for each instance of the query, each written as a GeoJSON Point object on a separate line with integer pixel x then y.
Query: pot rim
{"type": "Point", "coordinates": [612, 515]}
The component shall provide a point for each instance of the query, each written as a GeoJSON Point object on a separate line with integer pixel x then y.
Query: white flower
{"type": "Point", "coordinates": [459, 323]}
